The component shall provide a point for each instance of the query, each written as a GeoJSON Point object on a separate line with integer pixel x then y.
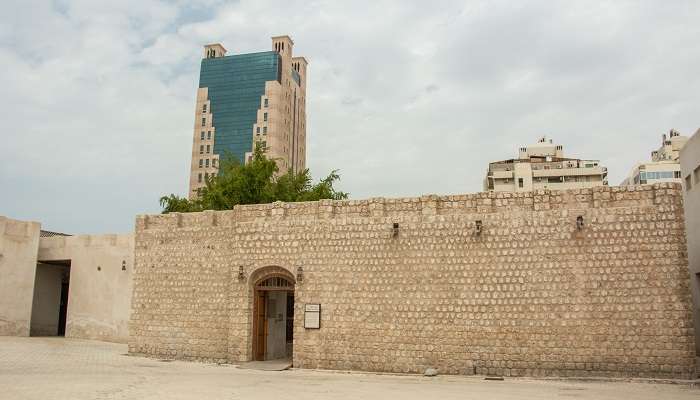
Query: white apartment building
{"type": "Point", "coordinates": [664, 166]}
{"type": "Point", "coordinates": [543, 166]}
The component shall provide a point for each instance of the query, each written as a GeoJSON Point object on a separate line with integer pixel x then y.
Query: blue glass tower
{"type": "Point", "coordinates": [246, 100]}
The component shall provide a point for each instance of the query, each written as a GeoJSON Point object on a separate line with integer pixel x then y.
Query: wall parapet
{"type": "Point", "coordinates": [427, 205]}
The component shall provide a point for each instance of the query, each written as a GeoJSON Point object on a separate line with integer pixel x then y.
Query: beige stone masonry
{"type": "Point", "coordinates": [530, 295]}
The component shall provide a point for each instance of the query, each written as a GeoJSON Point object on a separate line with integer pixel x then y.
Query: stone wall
{"type": "Point", "coordinates": [531, 295]}
{"type": "Point", "coordinates": [18, 246]}
{"type": "Point", "coordinates": [101, 269]}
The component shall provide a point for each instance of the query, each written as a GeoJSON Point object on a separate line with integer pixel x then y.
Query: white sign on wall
{"type": "Point", "coordinates": [312, 316]}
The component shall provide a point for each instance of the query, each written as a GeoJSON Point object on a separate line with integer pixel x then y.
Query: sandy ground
{"type": "Point", "coordinates": [57, 368]}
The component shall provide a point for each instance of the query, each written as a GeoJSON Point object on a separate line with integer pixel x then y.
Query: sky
{"type": "Point", "coordinates": [404, 98]}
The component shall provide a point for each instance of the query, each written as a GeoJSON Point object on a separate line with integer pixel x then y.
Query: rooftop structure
{"type": "Point", "coordinates": [543, 166]}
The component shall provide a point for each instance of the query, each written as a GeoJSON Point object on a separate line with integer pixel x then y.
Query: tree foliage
{"type": "Point", "coordinates": [254, 183]}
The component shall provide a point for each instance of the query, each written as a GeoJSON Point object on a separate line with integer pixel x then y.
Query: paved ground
{"type": "Point", "coordinates": [270, 365]}
{"type": "Point", "coordinates": [54, 368]}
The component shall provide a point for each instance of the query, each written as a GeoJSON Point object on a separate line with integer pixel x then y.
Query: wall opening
{"type": "Point", "coordinates": [50, 302]}
{"type": "Point", "coordinates": [273, 318]}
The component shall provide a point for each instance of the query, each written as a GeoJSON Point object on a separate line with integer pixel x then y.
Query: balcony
{"type": "Point", "coordinates": [598, 170]}
{"type": "Point", "coordinates": [501, 174]}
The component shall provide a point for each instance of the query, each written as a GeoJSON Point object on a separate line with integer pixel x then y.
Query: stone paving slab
{"type": "Point", "coordinates": [57, 368]}
{"type": "Point", "coordinates": [270, 365]}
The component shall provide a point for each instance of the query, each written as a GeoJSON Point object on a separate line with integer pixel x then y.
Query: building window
{"type": "Point", "coordinates": [520, 182]}
{"type": "Point", "coordinates": [208, 148]}
{"type": "Point", "coordinates": [206, 175]}
{"type": "Point", "coordinates": [266, 102]}
{"type": "Point", "coordinates": [258, 130]}
{"type": "Point", "coordinates": [206, 163]}
{"type": "Point", "coordinates": [213, 162]}
{"type": "Point", "coordinates": [264, 145]}
{"type": "Point", "coordinates": [677, 174]}
{"type": "Point", "coordinates": [201, 149]}
{"type": "Point", "coordinates": [202, 136]}
{"type": "Point", "coordinates": [264, 129]}
{"type": "Point", "coordinates": [200, 163]}
{"type": "Point", "coordinates": [204, 121]}
{"type": "Point", "coordinates": [204, 108]}
{"type": "Point", "coordinates": [696, 172]}
{"type": "Point", "coordinates": [208, 134]}
{"type": "Point", "coordinates": [688, 184]}
{"type": "Point", "coordinates": [199, 177]}
{"type": "Point", "coordinates": [265, 117]}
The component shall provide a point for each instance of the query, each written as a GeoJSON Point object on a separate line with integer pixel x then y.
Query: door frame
{"type": "Point", "coordinates": [263, 285]}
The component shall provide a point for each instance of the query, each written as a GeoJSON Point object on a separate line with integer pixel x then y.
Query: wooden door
{"type": "Point", "coordinates": [260, 325]}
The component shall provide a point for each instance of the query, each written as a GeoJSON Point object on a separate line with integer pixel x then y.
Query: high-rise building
{"type": "Point", "coordinates": [543, 166]}
{"type": "Point", "coordinates": [664, 166]}
{"type": "Point", "coordinates": [245, 100]}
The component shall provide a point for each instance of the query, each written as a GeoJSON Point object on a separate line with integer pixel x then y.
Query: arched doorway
{"type": "Point", "coordinates": [273, 316]}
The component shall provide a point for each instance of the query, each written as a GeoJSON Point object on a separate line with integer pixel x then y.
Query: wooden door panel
{"type": "Point", "coordinates": [260, 325]}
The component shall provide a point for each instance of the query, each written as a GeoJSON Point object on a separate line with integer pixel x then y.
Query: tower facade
{"type": "Point", "coordinates": [245, 100]}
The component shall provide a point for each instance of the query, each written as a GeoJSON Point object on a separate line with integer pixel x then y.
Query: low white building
{"type": "Point", "coordinates": [543, 166]}
{"type": "Point", "coordinates": [664, 165]}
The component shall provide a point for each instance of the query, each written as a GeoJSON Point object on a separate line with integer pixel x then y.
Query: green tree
{"type": "Point", "coordinates": [254, 183]}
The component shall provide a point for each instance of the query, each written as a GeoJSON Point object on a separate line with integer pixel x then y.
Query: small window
{"type": "Point", "coordinates": [677, 174]}
{"type": "Point", "coordinates": [206, 163]}
{"type": "Point", "coordinates": [199, 177]}
{"type": "Point", "coordinates": [200, 163]}
{"type": "Point", "coordinates": [208, 148]}
{"type": "Point", "coordinates": [206, 175]}
{"type": "Point", "coordinates": [204, 121]}
{"type": "Point", "coordinates": [213, 162]}
{"type": "Point", "coordinates": [204, 108]}
{"type": "Point", "coordinates": [688, 184]}
{"type": "Point", "coordinates": [201, 149]}
{"type": "Point", "coordinates": [265, 102]}
{"type": "Point", "coordinates": [264, 145]}
{"type": "Point", "coordinates": [258, 130]}
{"type": "Point", "coordinates": [520, 182]}
{"type": "Point", "coordinates": [264, 129]}
{"type": "Point", "coordinates": [202, 136]}
{"type": "Point", "coordinates": [208, 134]}
{"type": "Point", "coordinates": [265, 117]}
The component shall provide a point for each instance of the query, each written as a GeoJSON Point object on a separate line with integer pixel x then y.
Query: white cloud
{"type": "Point", "coordinates": [404, 98]}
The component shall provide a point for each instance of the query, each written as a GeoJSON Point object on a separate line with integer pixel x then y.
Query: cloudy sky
{"type": "Point", "coordinates": [405, 98]}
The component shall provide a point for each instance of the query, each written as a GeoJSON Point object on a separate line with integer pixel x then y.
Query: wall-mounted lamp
{"type": "Point", "coordinates": [395, 230]}
{"type": "Point", "coordinates": [300, 274]}
{"type": "Point", "coordinates": [123, 265]}
{"type": "Point", "coordinates": [478, 227]}
{"type": "Point", "coordinates": [241, 273]}
{"type": "Point", "coordinates": [579, 222]}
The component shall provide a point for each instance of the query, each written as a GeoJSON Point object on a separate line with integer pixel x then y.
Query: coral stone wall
{"type": "Point", "coordinates": [531, 295]}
